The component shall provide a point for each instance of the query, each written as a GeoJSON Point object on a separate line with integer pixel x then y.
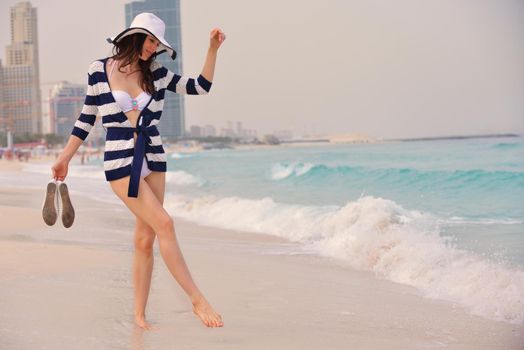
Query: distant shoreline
{"type": "Point", "coordinates": [458, 137]}
{"type": "Point", "coordinates": [328, 142]}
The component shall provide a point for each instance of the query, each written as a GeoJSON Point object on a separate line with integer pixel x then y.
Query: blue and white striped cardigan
{"type": "Point", "coordinates": [122, 156]}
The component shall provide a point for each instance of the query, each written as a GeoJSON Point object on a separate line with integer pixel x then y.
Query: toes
{"type": "Point", "coordinates": [204, 318]}
{"type": "Point", "coordinates": [215, 321]}
{"type": "Point", "coordinates": [209, 318]}
{"type": "Point", "coordinates": [219, 321]}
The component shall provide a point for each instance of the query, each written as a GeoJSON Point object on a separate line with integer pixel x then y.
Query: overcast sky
{"type": "Point", "coordinates": [404, 68]}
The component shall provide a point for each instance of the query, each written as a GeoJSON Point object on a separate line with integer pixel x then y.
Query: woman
{"type": "Point", "coordinates": [134, 159]}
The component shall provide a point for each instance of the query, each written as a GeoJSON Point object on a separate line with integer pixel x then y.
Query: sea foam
{"type": "Point", "coordinates": [183, 178]}
{"type": "Point", "coordinates": [283, 170]}
{"type": "Point", "coordinates": [377, 235]}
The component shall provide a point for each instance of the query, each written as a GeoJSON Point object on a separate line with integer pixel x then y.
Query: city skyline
{"type": "Point", "coordinates": [334, 67]}
{"type": "Point", "coordinates": [20, 99]}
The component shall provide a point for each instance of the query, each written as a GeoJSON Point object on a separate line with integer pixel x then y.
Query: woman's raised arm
{"type": "Point", "coordinates": [202, 84]}
{"type": "Point", "coordinates": [216, 39]}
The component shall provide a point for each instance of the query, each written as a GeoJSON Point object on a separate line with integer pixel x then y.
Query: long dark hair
{"type": "Point", "coordinates": [128, 50]}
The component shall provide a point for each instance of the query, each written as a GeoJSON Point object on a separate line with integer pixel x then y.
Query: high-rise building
{"type": "Point", "coordinates": [195, 131]}
{"type": "Point", "coordinates": [172, 123]}
{"type": "Point", "coordinates": [65, 105]}
{"type": "Point", "coordinates": [239, 128]}
{"type": "Point", "coordinates": [22, 111]}
{"type": "Point", "coordinates": [210, 130]}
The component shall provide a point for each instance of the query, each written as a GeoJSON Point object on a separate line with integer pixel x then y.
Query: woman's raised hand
{"type": "Point", "coordinates": [217, 37]}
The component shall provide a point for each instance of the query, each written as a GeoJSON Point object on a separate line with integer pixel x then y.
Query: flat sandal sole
{"type": "Point", "coordinates": [68, 212]}
{"type": "Point", "coordinates": [49, 212]}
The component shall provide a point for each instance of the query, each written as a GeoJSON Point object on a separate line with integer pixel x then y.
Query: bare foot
{"type": "Point", "coordinates": [142, 323]}
{"type": "Point", "coordinates": [207, 315]}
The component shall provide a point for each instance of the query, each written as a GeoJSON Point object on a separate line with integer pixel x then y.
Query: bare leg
{"type": "Point", "coordinates": [142, 270]}
{"type": "Point", "coordinates": [176, 264]}
{"type": "Point", "coordinates": [148, 208]}
{"type": "Point", "coordinates": [144, 258]}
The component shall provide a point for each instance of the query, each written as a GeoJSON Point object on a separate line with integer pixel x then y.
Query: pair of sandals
{"type": "Point", "coordinates": [57, 201]}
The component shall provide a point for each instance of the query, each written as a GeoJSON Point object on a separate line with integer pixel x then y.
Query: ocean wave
{"type": "Point", "coordinates": [377, 235]}
{"type": "Point", "coordinates": [506, 145]}
{"type": "Point", "coordinates": [283, 170]}
{"type": "Point", "coordinates": [180, 155]}
{"type": "Point", "coordinates": [182, 178]}
{"type": "Point", "coordinates": [400, 176]}
{"type": "Point", "coordinates": [178, 177]}
{"type": "Point", "coordinates": [481, 221]}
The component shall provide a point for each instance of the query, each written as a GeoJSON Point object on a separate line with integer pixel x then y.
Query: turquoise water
{"type": "Point", "coordinates": [475, 187]}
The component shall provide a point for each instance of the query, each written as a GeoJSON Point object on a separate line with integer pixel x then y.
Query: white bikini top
{"type": "Point", "coordinates": [125, 101]}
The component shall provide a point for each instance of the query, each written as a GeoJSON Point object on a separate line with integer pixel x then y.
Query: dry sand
{"type": "Point", "coordinates": [57, 292]}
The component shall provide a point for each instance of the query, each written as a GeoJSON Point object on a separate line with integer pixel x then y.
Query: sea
{"type": "Point", "coordinates": [443, 216]}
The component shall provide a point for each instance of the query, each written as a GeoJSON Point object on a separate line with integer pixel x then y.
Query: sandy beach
{"type": "Point", "coordinates": [72, 289]}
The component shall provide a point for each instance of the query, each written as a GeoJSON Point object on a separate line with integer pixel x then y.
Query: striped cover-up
{"type": "Point", "coordinates": [122, 157]}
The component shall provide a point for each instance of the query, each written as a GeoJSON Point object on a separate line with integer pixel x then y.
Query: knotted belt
{"type": "Point", "coordinates": [138, 157]}
{"type": "Point", "coordinates": [138, 154]}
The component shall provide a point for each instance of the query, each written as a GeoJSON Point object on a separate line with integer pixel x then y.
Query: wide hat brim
{"type": "Point", "coordinates": [162, 47]}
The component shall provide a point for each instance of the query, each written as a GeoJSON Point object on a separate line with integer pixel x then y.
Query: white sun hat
{"type": "Point", "coordinates": [147, 23]}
